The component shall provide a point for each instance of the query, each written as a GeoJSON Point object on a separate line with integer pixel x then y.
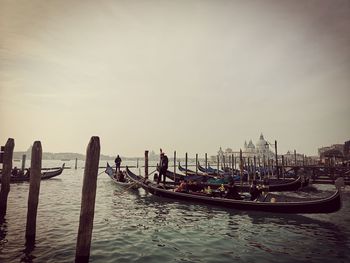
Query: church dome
{"type": "Point", "coordinates": [251, 145]}
{"type": "Point", "coordinates": [261, 144]}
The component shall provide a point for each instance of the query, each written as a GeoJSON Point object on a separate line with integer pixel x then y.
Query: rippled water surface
{"type": "Point", "coordinates": [132, 226]}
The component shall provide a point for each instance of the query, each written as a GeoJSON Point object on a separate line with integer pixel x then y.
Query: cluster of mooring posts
{"type": "Point", "coordinates": [87, 200]}
{"type": "Point", "coordinates": [266, 167]}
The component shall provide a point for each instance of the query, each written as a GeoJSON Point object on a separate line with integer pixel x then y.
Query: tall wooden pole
{"type": "Point", "coordinates": [254, 168]}
{"type": "Point", "coordinates": [88, 201]}
{"type": "Point", "coordinates": [23, 162]}
{"type": "Point", "coordinates": [34, 190]}
{"type": "Point", "coordinates": [174, 167]}
{"type": "Point", "coordinates": [76, 163]}
{"type": "Point", "coordinates": [196, 163]}
{"type": "Point", "coordinates": [232, 165]}
{"type": "Point", "coordinates": [235, 161]}
{"type": "Point", "coordinates": [283, 173]}
{"type": "Point", "coordinates": [295, 158]}
{"type": "Point", "coordinates": [146, 164]}
{"type": "Point", "coordinates": [241, 167]}
{"type": "Point", "coordinates": [6, 175]}
{"type": "Point", "coordinates": [206, 162]}
{"type": "Point", "coordinates": [186, 164]}
{"type": "Point", "coordinates": [276, 157]}
{"type": "Point", "coordinates": [264, 165]}
{"type": "Point", "coordinates": [223, 162]}
{"type": "Point", "coordinates": [249, 169]}
{"type": "Point", "coordinates": [218, 163]}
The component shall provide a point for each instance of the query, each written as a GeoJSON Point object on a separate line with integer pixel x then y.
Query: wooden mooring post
{"type": "Point", "coordinates": [276, 160]}
{"type": "Point", "coordinates": [232, 165]}
{"type": "Point", "coordinates": [186, 164]}
{"type": "Point", "coordinates": [283, 173]}
{"type": "Point", "coordinates": [23, 162]}
{"type": "Point", "coordinates": [88, 201]}
{"type": "Point", "coordinates": [174, 166]}
{"type": "Point", "coordinates": [254, 176]}
{"type": "Point", "coordinates": [146, 164]}
{"type": "Point", "coordinates": [6, 175]}
{"type": "Point", "coordinates": [218, 164]}
{"type": "Point", "coordinates": [34, 190]}
{"type": "Point", "coordinates": [241, 167]}
{"type": "Point", "coordinates": [76, 163]}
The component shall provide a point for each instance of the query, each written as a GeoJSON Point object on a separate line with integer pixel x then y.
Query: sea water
{"type": "Point", "coordinates": [133, 226]}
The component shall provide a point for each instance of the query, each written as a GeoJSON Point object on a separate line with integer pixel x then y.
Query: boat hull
{"type": "Point", "coordinates": [325, 205]}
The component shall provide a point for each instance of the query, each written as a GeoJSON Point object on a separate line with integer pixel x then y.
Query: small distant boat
{"type": "Point", "coordinates": [127, 183]}
{"type": "Point", "coordinates": [44, 176]}
{"type": "Point", "coordinates": [274, 204]}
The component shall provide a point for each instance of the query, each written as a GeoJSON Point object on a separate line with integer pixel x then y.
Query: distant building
{"type": "Point", "coordinates": [347, 150]}
{"type": "Point", "coordinates": [261, 150]}
{"type": "Point", "coordinates": [291, 158]}
{"type": "Point", "coordinates": [335, 153]}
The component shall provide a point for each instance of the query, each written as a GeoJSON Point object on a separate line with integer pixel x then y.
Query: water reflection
{"type": "Point", "coordinates": [3, 232]}
{"type": "Point", "coordinates": [29, 248]}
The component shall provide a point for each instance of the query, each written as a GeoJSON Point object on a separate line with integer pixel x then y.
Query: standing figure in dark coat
{"type": "Point", "coordinates": [117, 161]}
{"type": "Point", "coordinates": [254, 191]}
{"type": "Point", "coordinates": [163, 167]}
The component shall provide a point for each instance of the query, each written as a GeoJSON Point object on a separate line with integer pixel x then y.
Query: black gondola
{"type": "Point", "coordinates": [126, 183]}
{"type": "Point", "coordinates": [302, 206]}
{"type": "Point", "coordinates": [274, 184]}
{"type": "Point", "coordinates": [44, 176]}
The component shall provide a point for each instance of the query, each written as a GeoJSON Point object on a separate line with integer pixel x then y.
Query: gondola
{"type": "Point", "coordinates": [208, 170]}
{"type": "Point", "coordinates": [127, 183]}
{"type": "Point", "coordinates": [274, 184]}
{"type": "Point", "coordinates": [273, 205]}
{"type": "Point", "coordinates": [178, 177]}
{"type": "Point", "coordinates": [188, 171]}
{"type": "Point", "coordinates": [213, 171]}
{"type": "Point", "coordinates": [44, 176]}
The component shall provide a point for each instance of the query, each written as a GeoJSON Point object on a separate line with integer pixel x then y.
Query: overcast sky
{"type": "Point", "coordinates": [181, 75]}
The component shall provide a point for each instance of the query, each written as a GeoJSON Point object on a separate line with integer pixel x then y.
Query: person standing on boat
{"type": "Point", "coordinates": [117, 161]}
{"type": "Point", "coordinates": [254, 191]}
{"type": "Point", "coordinates": [163, 167]}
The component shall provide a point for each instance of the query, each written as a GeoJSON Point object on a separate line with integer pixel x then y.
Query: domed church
{"type": "Point", "coordinates": [262, 148]}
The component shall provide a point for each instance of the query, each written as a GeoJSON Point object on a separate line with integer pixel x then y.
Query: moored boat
{"type": "Point", "coordinates": [328, 204]}
{"type": "Point", "coordinates": [274, 184]}
{"type": "Point", "coordinates": [125, 183]}
{"type": "Point", "coordinates": [44, 175]}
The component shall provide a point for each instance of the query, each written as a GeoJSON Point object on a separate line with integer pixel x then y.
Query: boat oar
{"type": "Point", "coordinates": [102, 172]}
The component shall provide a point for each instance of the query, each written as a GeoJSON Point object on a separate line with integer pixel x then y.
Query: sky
{"type": "Point", "coordinates": [185, 75]}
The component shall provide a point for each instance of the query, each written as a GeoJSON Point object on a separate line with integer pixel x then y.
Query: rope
{"type": "Point", "coordinates": [153, 172]}
{"type": "Point", "coordinates": [101, 172]}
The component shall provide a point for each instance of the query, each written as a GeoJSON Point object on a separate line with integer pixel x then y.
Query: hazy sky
{"type": "Point", "coordinates": [182, 75]}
